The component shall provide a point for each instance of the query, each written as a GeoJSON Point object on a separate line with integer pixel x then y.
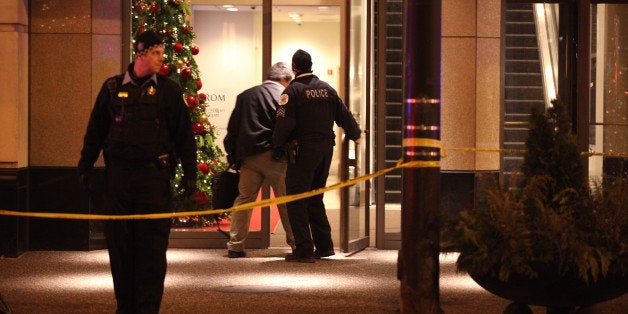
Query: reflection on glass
{"type": "Point", "coordinates": [609, 92]}
{"type": "Point", "coordinates": [358, 82]}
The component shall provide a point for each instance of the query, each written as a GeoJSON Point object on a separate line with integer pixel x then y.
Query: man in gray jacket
{"type": "Point", "coordinates": [249, 148]}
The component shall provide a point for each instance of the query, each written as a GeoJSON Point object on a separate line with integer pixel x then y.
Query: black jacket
{"type": "Point", "coordinates": [307, 111]}
{"type": "Point", "coordinates": [251, 124]}
{"type": "Point", "coordinates": [174, 116]}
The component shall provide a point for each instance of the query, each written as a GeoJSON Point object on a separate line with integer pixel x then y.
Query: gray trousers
{"type": "Point", "coordinates": [253, 171]}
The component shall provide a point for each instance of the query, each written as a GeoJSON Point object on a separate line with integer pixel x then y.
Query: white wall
{"type": "Point", "coordinates": [229, 61]}
{"type": "Point", "coordinates": [320, 39]}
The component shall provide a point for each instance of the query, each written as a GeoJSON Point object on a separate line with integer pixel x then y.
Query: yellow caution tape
{"type": "Point", "coordinates": [287, 198]}
{"type": "Point", "coordinates": [262, 203]}
{"type": "Point", "coordinates": [421, 142]}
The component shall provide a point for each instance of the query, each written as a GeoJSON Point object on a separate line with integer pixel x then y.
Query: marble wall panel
{"type": "Point", "coordinates": [489, 18]}
{"type": "Point", "coordinates": [106, 17]}
{"type": "Point", "coordinates": [9, 97]}
{"type": "Point", "coordinates": [459, 17]}
{"type": "Point", "coordinates": [458, 116]}
{"type": "Point", "coordinates": [14, 11]}
{"type": "Point", "coordinates": [61, 16]}
{"type": "Point", "coordinates": [14, 79]}
{"type": "Point", "coordinates": [488, 102]}
{"type": "Point", "coordinates": [61, 85]}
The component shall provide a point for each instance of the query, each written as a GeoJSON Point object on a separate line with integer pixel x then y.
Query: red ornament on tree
{"type": "Point", "coordinates": [164, 70]}
{"type": "Point", "coordinates": [192, 102]}
{"type": "Point", "coordinates": [215, 163]}
{"type": "Point", "coordinates": [185, 73]}
{"type": "Point", "coordinates": [199, 84]}
{"type": "Point", "coordinates": [154, 9]}
{"type": "Point", "coordinates": [178, 47]}
{"type": "Point", "coordinates": [195, 50]}
{"type": "Point", "coordinates": [185, 29]}
{"type": "Point", "coordinates": [202, 97]}
{"type": "Point", "coordinates": [201, 198]}
{"type": "Point", "coordinates": [198, 129]}
{"type": "Point", "coordinates": [167, 33]}
{"type": "Point", "coordinates": [203, 167]}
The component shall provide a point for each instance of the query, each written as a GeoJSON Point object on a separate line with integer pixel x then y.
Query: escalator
{"type": "Point", "coordinates": [525, 84]}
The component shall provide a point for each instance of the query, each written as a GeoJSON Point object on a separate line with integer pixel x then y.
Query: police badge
{"type": "Point", "coordinates": [283, 99]}
{"type": "Point", "coordinates": [281, 111]}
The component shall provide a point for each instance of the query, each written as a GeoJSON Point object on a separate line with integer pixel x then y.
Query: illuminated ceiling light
{"type": "Point", "coordinates": [232, 9]}
{"type": "Point", "coordinates": [296, 17]}
{"type": "Point", "coordinates": [323, 8]}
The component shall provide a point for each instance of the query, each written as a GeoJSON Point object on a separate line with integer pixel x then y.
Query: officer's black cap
{"type": "Point", "coordinates": [302, 61]}
{"type": "Point", "coordinates": [147, 40]}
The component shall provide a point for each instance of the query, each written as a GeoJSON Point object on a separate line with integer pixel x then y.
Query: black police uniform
{"type": "Point", "coordinates": [140, 125]}
{"type": "Point", "coordinates": [307, 112]}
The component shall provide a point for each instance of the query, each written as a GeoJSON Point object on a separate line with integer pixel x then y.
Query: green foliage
{"type": "Point", "coordinates": [170, 18]}
{"type": "Point", "coordinates": [552, 149]}
{"type": "Point", "coordinates": [553, 222]}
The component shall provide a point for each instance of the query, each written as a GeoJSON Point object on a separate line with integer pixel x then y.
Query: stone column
{"type": "Point", "coordinates": [13, 124]}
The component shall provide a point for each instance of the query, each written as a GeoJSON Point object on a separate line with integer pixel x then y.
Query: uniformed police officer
{"type": "Point", "coordinates": [307, 111]}
{"type": "Point", "coordinates": [142, 125]}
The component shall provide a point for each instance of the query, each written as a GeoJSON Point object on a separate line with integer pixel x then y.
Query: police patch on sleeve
{"type": "Point", "coordinates": [281, 112]}
{"type": "Point", "coordinates": [283, 99]}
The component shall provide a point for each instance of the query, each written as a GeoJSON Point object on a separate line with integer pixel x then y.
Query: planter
{"type": "Point", "coordinates": [553, 291]}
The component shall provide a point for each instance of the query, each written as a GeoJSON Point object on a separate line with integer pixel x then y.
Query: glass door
{"type": "Point", "coordinates": [334, 33]}
{"type": "Point", "coordinates": [315, 28]}
{"type": "Point", "coordinates": [608, 119]}
{"type": "Point", "coordinates": [355, 213]}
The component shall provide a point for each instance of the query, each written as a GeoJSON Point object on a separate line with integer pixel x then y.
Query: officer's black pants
{"type": "Point", "coordinates": [307, 216]}
{"type": "Point", "coordinates": [137, 248]}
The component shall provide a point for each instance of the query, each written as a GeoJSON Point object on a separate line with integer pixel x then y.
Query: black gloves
{"type": "Point", "coordinates": [279, 153]}
{"type": "Point", "coordinates": [288, 152]}
{"type": "Point", "coordinates": [187, 187]}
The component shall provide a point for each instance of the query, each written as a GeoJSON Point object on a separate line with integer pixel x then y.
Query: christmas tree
{"type": "Point", "coordinates": [170, 18]}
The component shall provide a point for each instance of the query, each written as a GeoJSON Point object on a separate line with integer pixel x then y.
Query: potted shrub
{"type": "Point", "coordinates": [556, 240]}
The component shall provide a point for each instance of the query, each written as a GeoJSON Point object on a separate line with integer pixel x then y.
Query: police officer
{"type": "Point", "coordinates": [142, 125]}
{"type": "Point", "coordinates": [307, 111]}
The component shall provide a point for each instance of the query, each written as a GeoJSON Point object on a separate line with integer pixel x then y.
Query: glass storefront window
{"type": "Point", "coordinates": [609, 88]}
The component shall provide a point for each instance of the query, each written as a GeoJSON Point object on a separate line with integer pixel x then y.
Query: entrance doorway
{"type": "Point", "coordinates": [239, 43]}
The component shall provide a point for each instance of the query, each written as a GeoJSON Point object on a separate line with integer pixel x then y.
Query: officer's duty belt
{"type": "Point", "coordinates": [132, 164]}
